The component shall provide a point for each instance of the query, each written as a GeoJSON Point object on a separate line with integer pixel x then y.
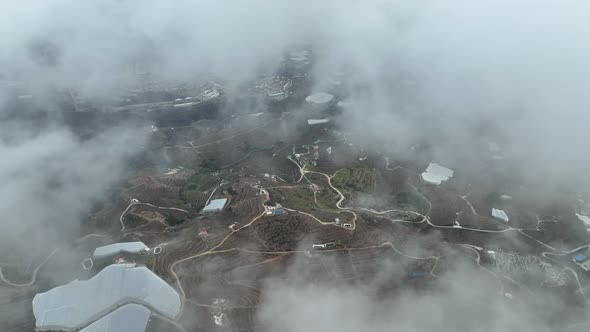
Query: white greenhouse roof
{"type": "Point", "coordinates": [312, 122]}
{"type": "Point", "coordinates": [584, 219]}
{"type": "Point", "coordinates": [117, 248]}
{"type": "Point", "coordinates": [319, 98]}
{"type": "Point", "coordinates": [215, 205]}
{"type": "Point", "coordinates": [500, 214]}
{"type": "Point", "coordinates": [79, 303]}
{"type": "Point", "coordinates": [128, 318]}
{"type": "Point", "coordinates": [436, 173]}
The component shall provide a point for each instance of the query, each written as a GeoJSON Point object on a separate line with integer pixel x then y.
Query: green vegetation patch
{"type": "Point", "coordinates": [194, 189]}
{"type": "Point", "coordinates": [173, 220]}
{"type": "Point", "coordinates": [410, 201]}
{"type": "Point", "coordinates": [351, 180]}
{"type": "Point", "coordinates": [202, 180]}
{"type": "Point", "coordinates": [327, 198]}
{"type": "Point", "coordinates": [299, 198]}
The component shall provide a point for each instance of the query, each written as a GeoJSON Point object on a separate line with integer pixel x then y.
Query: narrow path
{"type": "Point", "coordinates": [213, 192]}
{"type": "Point", "coordinates": [135, 202]}
{"type": "Point", "coordinates": [464, 198]}
{"type": "Point", "coordinates": [435, 258]}
{"type": "Point", "coordinates": [478, 259]}
{"type": "Point", "coordinates": [89, 236]}
{"type": "Point", "coordinates": [34, 276]}
{"type": "Point", "coordinates": [580, 288]}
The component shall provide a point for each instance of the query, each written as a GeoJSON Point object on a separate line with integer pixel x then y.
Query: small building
{"type": "Point", "coordinates": [313, 122]}
{"type": "Point", "coordinates": [215, 205]}
{"type": "Point", "coordinates": [582, 261]}
{"type": "Point", "coordinates": [320, 100]}
{"type": "Point", "coordinates": [119, 260]}
{"type": "Point", "coordinates": [436, 174]}
{"type": "Point", "coordinates": [580, 258]}
{"type": "Point", "coordinates": [119, 248]}
{"type": "Point", "coordinates": [584, 219]}
{"type": "Point", "coordinates": [277, 212]}
{"type": "Point", "coordinates": [500, 214]}
{"type": "Point", "coordinates": [323, 245]}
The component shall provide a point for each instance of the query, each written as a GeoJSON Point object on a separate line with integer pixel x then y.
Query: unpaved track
{"type": "Point", "coordinates": [33, 277]}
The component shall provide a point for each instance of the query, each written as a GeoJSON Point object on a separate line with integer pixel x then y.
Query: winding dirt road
{"type": "Point", "coordinates": [33, 277]}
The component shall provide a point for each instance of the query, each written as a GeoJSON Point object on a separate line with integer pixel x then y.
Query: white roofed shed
{"type": "Point", "coordinates": [500, 214]}
{"type": "Point", "coordinates": [215, 205]}
{"type": "Point", "coordinates": [436, 174]}
{"type": "Point", "coordinates": [320, 98]}
{"type": "Point", "coordinates": [584, 219]}
{"type": "Point", "coordinates": [312, 122]}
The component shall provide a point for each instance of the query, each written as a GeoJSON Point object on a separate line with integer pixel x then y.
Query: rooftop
{"type": "Point", "coordinates": [312, 122]}
{"type": "Point", "coordinates": [319, 98]}
{"type": "Point", "coordinates": [117, 248]}
{"type": "Point", "coordinates": [128, 318]}
{"type": "Point", "coordinates": [436, 174]}
{"type": "Point", "coordinates": [80, 303]}
{"type": "Point", "coordinates": [584, 219]}
{"type": "Point", "coordinates": [215, 205]}
{"type": "Point", "coordinates": [579, 258]}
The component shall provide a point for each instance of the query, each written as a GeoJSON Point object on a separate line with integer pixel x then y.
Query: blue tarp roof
{"type": "Point", "coordinates": [417, 274]}
{"type": "Point", "coordinates": [580, 258]}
